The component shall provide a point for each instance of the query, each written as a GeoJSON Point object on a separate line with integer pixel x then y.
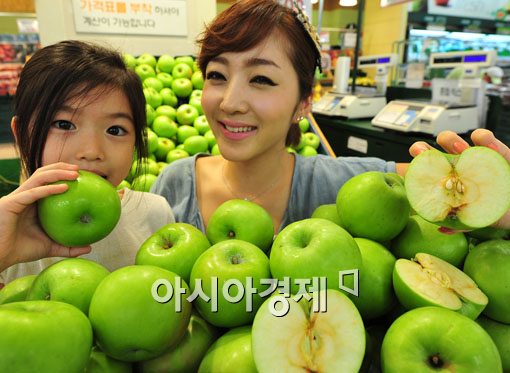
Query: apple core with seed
{"type": "Point", "coordinates": [464, 191]}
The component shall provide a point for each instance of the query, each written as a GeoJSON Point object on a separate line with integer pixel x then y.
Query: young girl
{"type": "Point", "coordinates": [77, 107]}
{"type": "Point", "coordinates": [258, 59]}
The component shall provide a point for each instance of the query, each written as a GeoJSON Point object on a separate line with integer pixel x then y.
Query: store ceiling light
{"type": "Point", "coordinates": [348, 2]}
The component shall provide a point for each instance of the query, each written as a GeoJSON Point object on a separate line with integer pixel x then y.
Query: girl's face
{"type": "Point", "coordinates": [95, 132]}
{"type": "Point", "coordinates": [250, 99]}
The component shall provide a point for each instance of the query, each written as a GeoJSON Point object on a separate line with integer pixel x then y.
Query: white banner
{"type": "Point", "coordinates": [136, 17]}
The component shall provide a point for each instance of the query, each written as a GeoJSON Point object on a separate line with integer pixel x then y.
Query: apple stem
{"type": "Point", "coordinates": [235, 259]}
{"type": "Point", "coordinates": [231, 234]}
{"type": "Point", "coordinates": [435, 361]}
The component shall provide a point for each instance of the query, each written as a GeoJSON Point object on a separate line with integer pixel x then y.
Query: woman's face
{"type": "Point", "coordinates": [95, 132]}
{"type": "Point", "coordinates": [250, 99]}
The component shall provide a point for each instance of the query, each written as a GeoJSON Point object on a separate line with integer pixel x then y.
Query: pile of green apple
{"type": "Point", "coordinates": [177, 126]}
{"type": "Point", "coordinates": [365, 284]}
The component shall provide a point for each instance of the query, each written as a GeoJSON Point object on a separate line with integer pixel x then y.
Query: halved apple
{"type": "Point", "coordinates": [307, 341]}
{"type": "Point", "coordinates": [464, 191]}
{"type": "Point", "coordinates": [427, 280]}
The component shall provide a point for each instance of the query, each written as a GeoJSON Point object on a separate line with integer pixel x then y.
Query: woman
{"type": "Point", "coordinates": [259, 59]}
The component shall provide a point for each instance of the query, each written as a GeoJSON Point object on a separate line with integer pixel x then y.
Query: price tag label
{"type": "Point", "coordinates": [357, 144]}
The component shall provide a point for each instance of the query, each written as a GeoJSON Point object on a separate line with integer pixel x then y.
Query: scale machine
{"type": "Point", "coordinates": [340, 102]}
{"type": "Point", "coordinates": [457, 105]}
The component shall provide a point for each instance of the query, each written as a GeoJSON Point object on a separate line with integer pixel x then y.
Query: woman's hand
{"type": "Point", "coordinates": [21, 236]}
{"type": "Point", "coordinates": [454, 144]}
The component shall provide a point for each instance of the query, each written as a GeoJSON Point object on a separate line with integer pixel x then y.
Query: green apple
{"type": "Point", "coordinates": [305, 340]}
{"type": "Point", "coordinates": [187, 355]}
{"type": "Point", "coordinates": [209, 136]}
{"type": "Point", "coordinates": [129, 60]}
{"type": "Point", "coordinates": [196, 93]}
{"type": "Point", "coordinates": [166, 110]}
{"type": "Point", "coordinates": [165, 63]}
{"type": "Point", "coordinates": [143, 182]}
{"type": "Point", "coordinates": [166, 79]}
{"type": "Point", "coordinates": [131, 315]}
{"type": "Point", "coordinates": [197, 104]}
{"type": "Point", "coordinates": [153, 82]}
{"type": "Point", "coordinates": [152, 140]}
{"type": "Point", "coordinates": [242, 220]}
{"type": "Point", "coordinates": [188, 60]}
{"type": "Point", "coordinates": [488, 264]}
{"type": "Point", "coordinates": [175, 247]}
{"type": "Point", "coordinates": [430, 339]}
{"type": "Point", "coordinates": [232, 352]}
{"type": "Point", "coordinates": [164, 146]}
{"type": "Point", "coordinates": [500, 335]}
{"type": "Point", "coordinates": [215, 150]}
{"type": "Point", "coordinates": [311, 139]}
{"type": "Point", "coordinates": [152, 97]}
{"type": "Point", "coordinates": [124, 184]}
{"type": "Point", "coordinates": [16, 290]}
{"type": "Point", "coordinates": [182, 87]}
{"type": "Point", "coordinates": [328, 212]}
{"type": "Point", "coordinates": [465, 191]}
{"type": "Point", "coordinates": [186, 114]}
{"type": "Point", "coordinates": [235, 268]}
{"type": "Point", "coordinates": [168, 97]}
{"type": "Point", "coordinates": [429, 281]}
{"type": "Point", "coordinates": [307, 151]}
{"type": "Point", "coordinates": [185, 131]}
{"type": "Point", "coordinates": [77, 217]}
{"type": "Point", "coordinates": [304, 125]}
{"type": "Point", "coordinates": [290, 149]}
{"type": "Point", "coordinates": [202, 126]}
{"type": "Point", "coordinates": [43, 336]}
{"type": "Point", "coordinates": [147, 58]}
{"type": "Point", "coordinates": [162, 165]}
{"type": "Point", "coordinates": [70, 280]}
{"type": "Point", "coordinates": [373, 205]}
{"type": "Point", "coordinates": [145, 71]}
{"type": "Point", "coordinates": [315, 248]}
{"type": "Point", "coordinates": [99, 362]}
{"type": "Point", "coordinates": [176, 154]}
{"type": "Point", "coordinates": [376, 296]}
{"type": "Point", "coordinates": [150, 114]}
{"type": "Point", "coordinates": [182, 70]}
{"type": "Point", "coordinates": [196, 144]}
{"type": "Point", "coordinates": [197, 80]}
{"type": "Point", "coordinates": [163, 126]}
{"type": "Point", "coordinates": [422, 236]}
{"type": "Point", "coordinates": [489, 233]}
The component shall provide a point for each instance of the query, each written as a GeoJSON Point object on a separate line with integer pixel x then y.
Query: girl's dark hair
{"type": "Point", "coordinates": [246, 24]}
{"type": "Point", "coordinates": [63, 71]}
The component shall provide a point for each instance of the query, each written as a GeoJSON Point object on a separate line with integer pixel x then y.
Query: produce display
{"type": "Point", "coordinates": [177, 126]}
{"type": "Point", "coordinates": [339, 291]}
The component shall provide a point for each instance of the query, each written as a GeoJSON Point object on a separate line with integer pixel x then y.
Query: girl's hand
{"type": "Point", "coordinates": [21, 237]}
{"type": "Point", "coordinates": [454, 144]}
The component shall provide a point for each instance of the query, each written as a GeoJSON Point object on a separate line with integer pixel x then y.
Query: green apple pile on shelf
{"type": "Point", "coordinates": [369, 283]}
{"type": "Point", "coordinates": [177, 126]}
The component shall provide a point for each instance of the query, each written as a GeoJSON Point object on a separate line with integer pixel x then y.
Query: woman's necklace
{"type": "Point", "coordinates": [252, 197]}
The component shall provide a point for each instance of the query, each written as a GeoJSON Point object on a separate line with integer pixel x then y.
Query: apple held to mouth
{"type": "Point", "coordinates": [230, 274]}
{"type": "Point", "coordinates": [315, 248]}
{"type": "Point", "coordinates": [77, 217]}
{"type": "Point", "coordinates": [175, 247]}
{"type": "Point", "coordinates": [430, 281]}
{"type": "Point", "coordinates": [131, 315]}
{"type": "Point", "coordinates": [16, 290]}
{"type": "Point", "coordinates": [242, 220]}
{"type": "Point", "coordinates": [488, 264]}
{"type": "Point", "coordinates": [373, 205]}
{"type": "Point", "coordinates": [465, 191]}
{"type": "Point", "coordinates": [429, 339]}
{"type": "Point", "coordinates": [232, 352]}
{"type": "Point", "coordinates": [304, 339]}
{"type": "Point", "coordinates": [43, 336]}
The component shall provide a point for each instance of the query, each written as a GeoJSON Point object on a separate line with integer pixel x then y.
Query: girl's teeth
{"type": "Point", "coordinates": [239, 129]}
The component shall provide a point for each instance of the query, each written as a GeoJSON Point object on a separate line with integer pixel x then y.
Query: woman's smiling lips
{"type": "Point", "coordinates": [234, 130]}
